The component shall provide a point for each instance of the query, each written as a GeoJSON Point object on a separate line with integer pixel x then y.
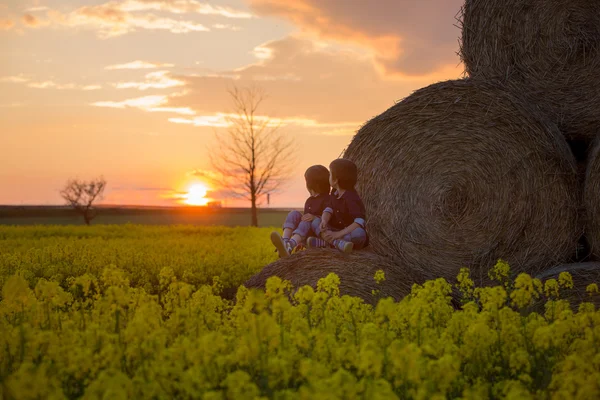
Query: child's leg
{"type": "Point", "coordinates": [300, 234]}
{"type": "Point", "coordinates": [315, 227]}
{"type": "Point", "coordinates": [317, 241]}
{"type": "Point", "coordinates": [282, 244]}
{"type": "Point", "coordinates": [292, 221]}
{"type": "Point", "coordinates": [357, 238]}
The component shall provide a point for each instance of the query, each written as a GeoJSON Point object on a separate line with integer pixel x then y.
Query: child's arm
{"type": "Point", "coordinates": [346, 230]}
{"type": "Point", "coordinates": [356, 211]}
{"type": "Point", "coordinates": [325, 218]}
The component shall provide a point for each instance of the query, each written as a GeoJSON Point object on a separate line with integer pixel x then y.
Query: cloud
{"type": "Point", "coordinates": [305, 82]}
{"type": "Point", "coordinates": [182, 7]}
{"type": "Point", "coordinates": [6, 24]}
{"type": "Point", "coordinates": [36, 9]}
{"type": "Point", "coordinates": [407, 37]}
{"type": "Point", "coordinates": [146, 103]}
{"type": "Point", "coordinates": [48, 84]}
{"type": "Point", "coordinates": [312, 88]}
{"type": "Point", "coordinates": [110, 21]}
{"type": "Point", "coordinates": [221, 120]}
{"type": "Point", "coordinates": [215, 121]}
{"type": "Point", "coordinates": [227, 26]}
{"type": "Point", "coordinates": [54, 85]}
{"type": "Point", "coordinates": [154, 80]}
{"type": "Point", "coordinates": [14, 79]}
{"type": "Point", "coordinates": [115, 18]}
{"type": "Point", "coordinates": [138, 64]}
{"type": "Point", "coordinates": [32, 21]}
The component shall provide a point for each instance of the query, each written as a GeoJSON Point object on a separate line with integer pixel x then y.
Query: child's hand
{"type": "Point", "coordinates": [323, 226]}
{"type": "Point", "coordinates": [308, 217]}
{"type": "Point", "coordinates": [330, 236]}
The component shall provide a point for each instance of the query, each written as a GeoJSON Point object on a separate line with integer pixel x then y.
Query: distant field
{"type": "Point", "coordinates": [201, 216]}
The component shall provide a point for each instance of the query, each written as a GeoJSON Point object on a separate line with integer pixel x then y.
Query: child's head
{"type": "Point", "coordinates": [317, 179]}
{"type": "Point", "coordinates": [343, 174]}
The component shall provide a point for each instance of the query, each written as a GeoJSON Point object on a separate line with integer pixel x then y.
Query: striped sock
{"type": "Point", "coordinates": [316, 242]}
{"type": "Point", "coordinates": [292, 243]}
{"type": "Point", "coordinates": [343, 245]}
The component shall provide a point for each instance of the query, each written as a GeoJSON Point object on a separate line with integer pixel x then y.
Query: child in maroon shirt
{"type": "Point", "coordinates": [298, 226]}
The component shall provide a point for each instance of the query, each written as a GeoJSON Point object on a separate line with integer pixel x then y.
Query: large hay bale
{"type": "Point", "coordinates": [462, 173]}
{"type": "Point", "coordinates": [356, 272]}
{"type": "Point", "coordinates": [550, 48]}
{"type": "Point", "coordinates": [591, 200]}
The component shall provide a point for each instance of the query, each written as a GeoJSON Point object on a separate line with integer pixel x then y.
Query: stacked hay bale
{"type": "Point", "coordinates": [464, 172]}
{"type": "Point", "coordinates": [551, 51]}
{"type": "Point", "coordinates": [591, 200]}
{"type": "Point", "coordinates": [549, 48]}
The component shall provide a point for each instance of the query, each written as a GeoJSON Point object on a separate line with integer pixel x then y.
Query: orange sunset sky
{"type": "Point", "coordinates": [135, 90]}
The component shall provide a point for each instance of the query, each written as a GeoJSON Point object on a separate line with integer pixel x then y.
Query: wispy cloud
{"type": "Point", "coordinates": [154, 80]}
{"type": "Point", "coordinates": [215, 121]}
{"type": "Point", "coordinates": [116, 18]}
{"type": "Point", "coordinates": [138, 64]}
{"type": "Point", "coordinates": [406, 37]}
{"type": "Point", "coordinates": [227, 26]}
{"type": "Point", "coordinates": [6, 24]}
{"type": "Point", "coordinates": [110, 21]}
{"type": "Point", "coordinates": [47, 84]}
{"type": "Point", "coordinates": [14, 79]}
{"type": "Point", "coordinates": [32, 21]}
{"type": "Point", "coordinates": [223, 120]}
{"type": "Point", "coordinates": [155, 103]}
{"type": "Point", "coordinates": [36, 9]}
{"type": "Point", "coordinates": [182, 7]}
{"type": "Point", "coordinates": [54, 85]}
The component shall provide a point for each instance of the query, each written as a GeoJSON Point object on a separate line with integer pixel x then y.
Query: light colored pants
{"type": "Point", "coordinates": [305, 229]}
{"type": "Point", "coordinates": [302, 228]}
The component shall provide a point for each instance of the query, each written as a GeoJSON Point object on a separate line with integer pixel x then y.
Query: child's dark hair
{"type": "Point", "coordinates": [345, 172]}
{"type": "Point", "coordinates": [317, 179]}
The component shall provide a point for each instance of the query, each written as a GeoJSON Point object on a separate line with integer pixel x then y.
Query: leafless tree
{"type": "Point", "coordinates": [253, 157]}
{"type": "Point", "coordinates": [81, 195]}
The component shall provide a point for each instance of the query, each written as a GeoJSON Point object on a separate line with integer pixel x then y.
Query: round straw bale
{"type": "Point", "coordinates": [591, 200]}
{"type": "Point", "coordinates": [356, 272]}
{"type": "Point", "coordinates": [583, 274]}
{"type": "Point", "coordinates": [462, 173]}
{"type": "Point", "coordinates": [550, 48]}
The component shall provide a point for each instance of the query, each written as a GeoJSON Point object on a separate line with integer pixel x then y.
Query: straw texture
{"type": "Point", "coordinates": [591, 200]}
{"type": "Point", "coordinates": [583, 275]}
{"type": "Point", "coordinates": [550, 48]}
{"type": "Point", "coordinates": [356, 272]}
{"type": "Point", "coordinates": [462, 173]}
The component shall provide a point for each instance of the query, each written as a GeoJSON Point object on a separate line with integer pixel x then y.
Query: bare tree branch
{"type": "Point", "coordinates": [81, 196]}
{"type": "Point", "coordinates": [253, 158]}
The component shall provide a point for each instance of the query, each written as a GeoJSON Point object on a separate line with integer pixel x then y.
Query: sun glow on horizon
{"type": "Point", "coordinates": [196, 195]}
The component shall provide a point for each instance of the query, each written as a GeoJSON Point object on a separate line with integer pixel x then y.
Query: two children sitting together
{"type": "Point", "coordinates": [330, 220]}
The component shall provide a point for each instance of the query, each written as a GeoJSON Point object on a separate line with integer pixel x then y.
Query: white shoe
{"type": "Point", "coordinates": [280, 245]}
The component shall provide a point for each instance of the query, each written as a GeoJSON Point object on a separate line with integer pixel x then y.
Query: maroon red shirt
{"type": "Point", "coordinates": [315, 205]}
{"type": "Point", "coordinates": [346, 209]}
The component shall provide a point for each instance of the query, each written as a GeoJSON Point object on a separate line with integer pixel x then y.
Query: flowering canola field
{"type": "Point", "coordinates": [121, 312]}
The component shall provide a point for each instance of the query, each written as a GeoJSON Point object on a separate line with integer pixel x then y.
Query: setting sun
{"type": "Point", "coordinates": [196, 195]}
